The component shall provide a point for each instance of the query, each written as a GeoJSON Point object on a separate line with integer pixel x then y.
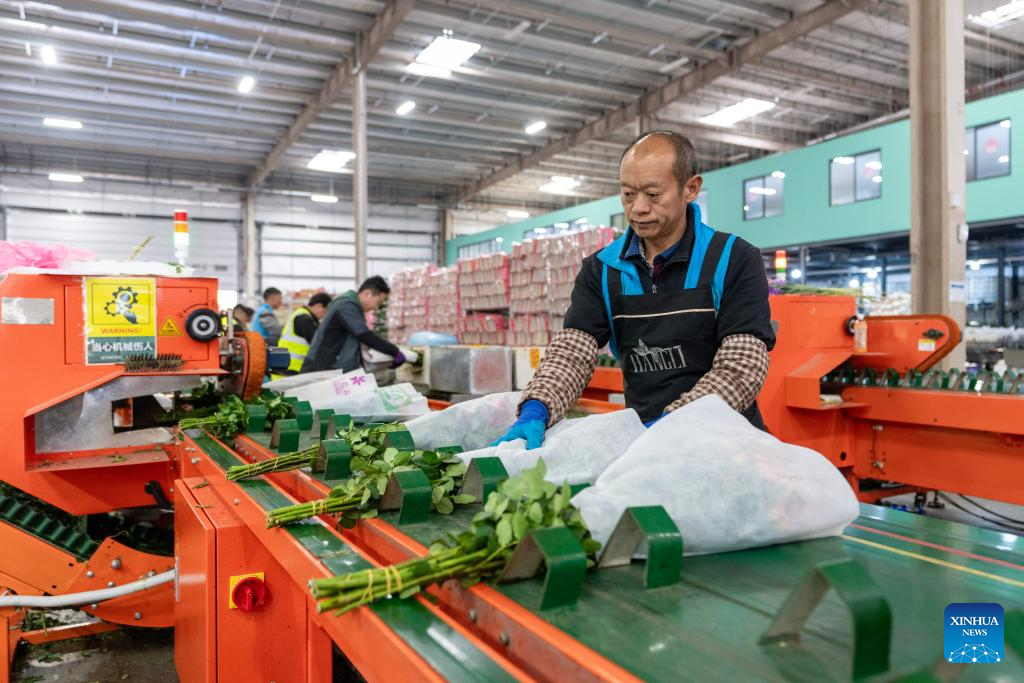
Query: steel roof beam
{"type": "Point", "coordinates": [371, 42]}
{"type": "Point", "coordinates": [690, 82]}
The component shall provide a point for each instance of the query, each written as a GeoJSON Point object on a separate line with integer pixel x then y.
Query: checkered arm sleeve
{"type": "Point", "coordinates": [563, 372]}
{"type": "Point", "coordinates": [736, 376]}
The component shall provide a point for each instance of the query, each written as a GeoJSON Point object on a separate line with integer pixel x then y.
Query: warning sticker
{"type": "Point", "coordinates": [925, 344]}
{"type": "Point", "coordinates": [120, 319]}
{"type": "Point", "coordinates": [169, 329]}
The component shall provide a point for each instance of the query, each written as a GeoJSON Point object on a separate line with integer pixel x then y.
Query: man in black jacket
{"type": "Point", "coordinates": [336, 344]}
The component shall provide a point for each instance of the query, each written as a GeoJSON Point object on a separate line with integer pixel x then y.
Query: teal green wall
{"type": "Point", "coordinates": [807, 216]}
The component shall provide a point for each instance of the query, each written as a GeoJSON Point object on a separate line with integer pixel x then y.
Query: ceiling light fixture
{"type": "Point", "coordinates": [324, 198]}
{"type": "Point", "coordinates": [66, 177]}
{"type": "Point", "coordinates": [442, 55]}
{"type": "Point", "coordinates": [330, 160]}
{"type": "Point", "coordinates": [560, 184]}
{"type": "Point", "coordinates": [61, 123]}
{"type": "Point", "coordinates": [48, 55]}
{"type": "Point", "coordinates": [405, 107]}
{"type": "Point", "coordinates": [854, 283]}
{"type": "Point", "coordinates": [246, 84]}
{"type": "Point", "coordinates": [734, 113]}
{"type": "Point", "coordinates": [430, 71]}
{"type": "Point", "coordinates": [778, 174]}
{"type": "Point", "coordinates": [975, 265]}
{"type": "Point", "coordinates": [796, 273]}
{"type": "Point", "coordinates": [1000, 16]}
{"type": "Point", "coordinates": [672, 66]}
{"type": "Point", "coordinates": [516, 213]}
{"type": "Point", "coordinates": [535, 127]}
{"type": "Point", "coordinates": [844, 161]}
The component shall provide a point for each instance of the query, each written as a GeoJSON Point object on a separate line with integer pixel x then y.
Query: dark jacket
{"type": "Point", "coordinates": [336, 343]}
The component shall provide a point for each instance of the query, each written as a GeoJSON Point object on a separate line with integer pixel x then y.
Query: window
{"type": "Point", "coordinates": [762, 196]}
{"type": "Point", "coordinates": [618, 220]}
{"type": "Point", "coordinates": [855, 178]}
{"type": "Point", "coordinates": [481, 248]}
{"type": "Point", "coordinates": [987, 150]}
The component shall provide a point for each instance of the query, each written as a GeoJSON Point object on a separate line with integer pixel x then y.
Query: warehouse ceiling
{"type": "Point", "coordinates": [155, 86]}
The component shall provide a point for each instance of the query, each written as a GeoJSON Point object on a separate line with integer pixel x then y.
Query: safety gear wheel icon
{"type": "Point", "coordinates": [126, 297]}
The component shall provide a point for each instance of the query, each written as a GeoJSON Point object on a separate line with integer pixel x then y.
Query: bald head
{"type": "Point", "coordinates": [659, 143]}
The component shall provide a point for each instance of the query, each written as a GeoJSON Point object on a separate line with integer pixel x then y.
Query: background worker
{"type": "Point", "coordinates": [300, 329]}
{"type": "Point", "coordinates": [336, 343]}
{"type": "Point", "coordinates": [243, 315]}
{"type": "Point", "coordinates": [683, 307]}
{"type": "Point", "coordinates": [266, 322]}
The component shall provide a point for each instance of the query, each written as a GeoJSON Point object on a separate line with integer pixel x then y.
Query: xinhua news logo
{"type": "Point", "coordinates": [974, 633]}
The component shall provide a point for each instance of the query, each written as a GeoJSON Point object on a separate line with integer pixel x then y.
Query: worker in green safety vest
{"type": "Point", "coordinates": [299, 330]}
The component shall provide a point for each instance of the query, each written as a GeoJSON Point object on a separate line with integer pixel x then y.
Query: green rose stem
{"type": "Point", "coordinates": [229, 419]}
{"type": "Point", "coordinates": [282, 463]}
{"type": "Point", "coordinates": [520, 505]}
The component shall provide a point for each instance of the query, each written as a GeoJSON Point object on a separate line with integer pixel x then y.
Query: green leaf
{"type": "Point", "coordinates": [481, 516]}
{"type": "Point", "coordinates": [381, 483]}
{"type": "Point", "coordinates": [590, 546]}
{"type": "Point", "coordinates": [504, 531]}
{"type": "Point", "coordinates": [390, 454]}
{"type": "Point", "coordinates": [464, 499]}
{"type": "Point", "coordinates": [500, 508]}
{"type": "Point", "coordinates": [357, 464]}
{"type": "Point", "coordinates": [519, 525]}
{"type": "Point", "coordinates": [535, 513]}
{"type": "Point", "coordinates": [444, 506]}
{"type": "Point", "coordinates": [456, 470]}
{"type": "Point", "coordinates": [492, 502]}
{"type": "Point", "coordinates": [367, 494]}
{"type": "Point", "coordinates": [436, 494]}
{"type": "Point", "coordinates": [403, 458]}
{"type": "Point", "coordinates": [369, 514]}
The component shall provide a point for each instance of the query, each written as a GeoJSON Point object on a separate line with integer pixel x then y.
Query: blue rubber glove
{"type": "Point", "coordinates": [650, 423]}
{"type": "Point", "coordinates": [533, 420]}
{"type": "Point", "coordinates": [397, 360]}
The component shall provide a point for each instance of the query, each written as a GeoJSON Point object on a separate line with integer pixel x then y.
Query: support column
{"type": "Point", "coordinates": [938, 228]}
{"type": "Point", "coordinates": [250, 265]}
{"type": "Point", "coordinates": [1001, 288]}
{"type": "Point", "coordinates": [447, 232]}
{"type": "Point", "coordinates": [360, 189]}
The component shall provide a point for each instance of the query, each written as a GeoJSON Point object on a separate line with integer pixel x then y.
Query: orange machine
{"type": "Point", "coordinates": [885, 415]}
{"type": "Point", "coordinates": [86, 358]}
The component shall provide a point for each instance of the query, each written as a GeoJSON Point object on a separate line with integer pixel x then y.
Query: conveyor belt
{"type": "Point", "coordinates": [445, 649]}
{"type": "Point", "coordinates": [708, 626]}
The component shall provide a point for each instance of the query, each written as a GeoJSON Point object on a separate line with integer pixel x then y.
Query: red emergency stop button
{"type": "Point", "coordinates": [249, 594]}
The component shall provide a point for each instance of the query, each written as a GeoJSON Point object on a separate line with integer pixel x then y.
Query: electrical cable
{"type": "Point", "coordinates": [88, 597]}
{"type": "Point", "coordinates": [1015, 529]}
{"type": "Point", "coordinates": [991, 512]}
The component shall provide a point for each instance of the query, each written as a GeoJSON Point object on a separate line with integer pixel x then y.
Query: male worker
{"type": "Point", "coordinates": [343, 329]}
{"type": "Point", "coordinates": [683, 307]}
{"type": "Point", "coordinates": [266, 322]}
{"type": "Point", "coordinates": [243, 315]}
{"type": "Point", "coordinates": [301, 327]}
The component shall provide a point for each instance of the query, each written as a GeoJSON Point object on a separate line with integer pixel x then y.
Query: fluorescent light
{"type": "Point", "coordinates": [766, 191]}
{"type": "Point", "coordinates": [447, 52]}
{"type": "Point", "coordinates": [516, 213]}
{"type": "Point", "coordinates": [1000, 16]}
{"type": "Point", "coordinates": [499, 240]}
{"type": "Point", "coordinates": [1005, 123]}
{"type": "Point", "coordinates": [66, 177]}
{"type": "Point", "coordinates": [872, 273]}
{"type": "Point", "coordinates": [405, 107]}
{"type": "Point", "coordinates": [330, 160]}
{"type": "Point", "coordinates": [519, 28]}
{"type": "Point", "coordinates": [324, 198]}
{"type": "Point", "coordinates": [966, 153]}
{"type": "Point", "coordinates": [874, 165]}
{"type": "Point", "coordinates": [778, 174]}
{"type": "Point", "coordinates": [246, 84]}
{"type": "Point", "coordinates": [48, 55]}
{"type": "Point", "coordinates": [975, 265]}
{"type": "Point", "coordinates": [561, 226]}
{"type": "Point", "coordinates": [844, 161]}
{"type": "Point", "coordinates": [1004, 159]}
{"type": "Point", "coordinates": [796, 273]}
{"type": "Point", "coordinates": [672, 66]}
{"type": "Point", "coordinates": [735, 113]}
{"type": "Point", "coordinates": [746, 207]}
{"type": "Point", "coordinates": [599, 37]}
{"type": "Point", "coordinates": [656, 49]}
{"type": "Point", "coordinates": [61, 123]}
{"type": "Point", "coordinates": [876, 179]}
{"type": "Point", "coordinates": [535, 127]}
{"type": "Point", "coordinates": [21, 23]}
{"type": "Point", "coordinates": [854, 283]}
{"type": "Point", "coordinates": [428, 70]}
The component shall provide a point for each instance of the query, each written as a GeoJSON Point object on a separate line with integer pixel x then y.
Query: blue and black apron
{"type": "Point", "coordinates": [666, 341]}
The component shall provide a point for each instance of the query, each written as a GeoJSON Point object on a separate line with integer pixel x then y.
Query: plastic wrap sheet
{"type": "Point", "coordinates": [471, 424]}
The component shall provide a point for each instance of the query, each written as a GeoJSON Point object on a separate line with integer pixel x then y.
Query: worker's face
{"type": "Point", "coordinates": [318, 310]}
{"type": "Point", "coordinates": [371, 300]}
{"type": "Point", "coordinates": [275, 301]}
{"type": "Point", "coordinates": [652, 200]}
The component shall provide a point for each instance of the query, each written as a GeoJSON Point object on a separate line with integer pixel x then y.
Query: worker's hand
{"type": "Point", "coordinates": [411, 356]}
{"type": "Point", "coordinates": [398, 360]}
{"type": "Point", "coordinates": [650, 423]}
{"type": "Point", "coordinates": [533, 420]}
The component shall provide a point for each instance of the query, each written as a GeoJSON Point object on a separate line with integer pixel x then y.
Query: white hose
{"type": "Point", "coordinates": [88, 597]}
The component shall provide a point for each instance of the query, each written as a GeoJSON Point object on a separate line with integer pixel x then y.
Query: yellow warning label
{"type": "Point", "coordinates": [120, 318]}
{"type": "Point", "coordinates": [169, 329]}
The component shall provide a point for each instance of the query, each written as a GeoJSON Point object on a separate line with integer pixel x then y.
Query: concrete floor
{"type": "Point", "coordinates": [131, 654]}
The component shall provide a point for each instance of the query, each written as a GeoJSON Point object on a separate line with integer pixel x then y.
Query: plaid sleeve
{"type": "Point", "coordinates": [736, 374]}
{"type": "Point", "coordinates": [563, 372]}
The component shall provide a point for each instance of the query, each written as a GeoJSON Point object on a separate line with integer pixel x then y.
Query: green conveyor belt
{"type": "Point", "coordinates": [707, 627]}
